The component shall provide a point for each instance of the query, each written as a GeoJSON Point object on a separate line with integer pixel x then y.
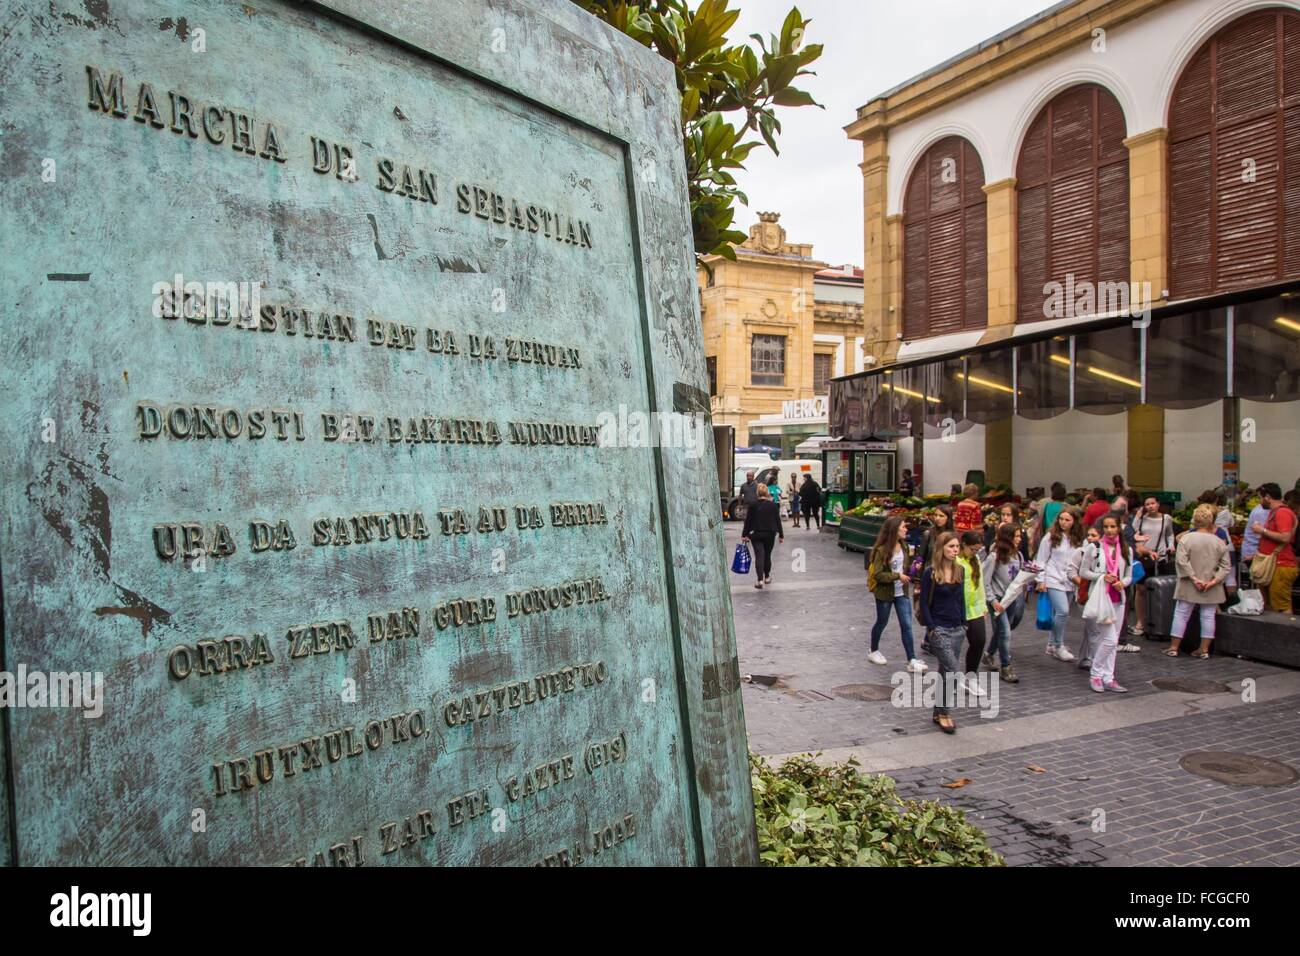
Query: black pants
{"type": "Point", "coordinates": [976, 638]}
{"type": "Point", "coordinates": [763, 542]}
{"type": "Point", "coordinates": [813, 512]}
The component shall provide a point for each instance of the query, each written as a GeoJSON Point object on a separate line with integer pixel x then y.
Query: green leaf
{"type": "Point", "coordinates": [792, 97]}
{"type": "Point", "coordinates": [716, 77]}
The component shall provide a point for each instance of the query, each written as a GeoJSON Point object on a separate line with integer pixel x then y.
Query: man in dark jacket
{"type": "Point", "coordinates": [763, 526]}
{"type": "Point", "coordinates": [810, 501]}
{"type": "Point", "coordinates": [749, 491]}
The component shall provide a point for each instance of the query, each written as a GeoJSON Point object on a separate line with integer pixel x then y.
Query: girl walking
{"type": "Point", "coordinates": [1108, 564]}
{"type": "Point", "coordinates": [1081, 596]}
{"type": "Point", "coordinates": [1064, 535]}
{"type": "Point", "coordinates": [940, 522]}
{"type": "Point", "coordinates": [976, 607]}
{"type": "Point", "coordinates": [1203, 563]}
{"type": "Point", "coordinates": [887, 575]}
{"type": "Point", "coordinates": [943, 610]}
{"type": "Point", "coordinates": [998, 571]}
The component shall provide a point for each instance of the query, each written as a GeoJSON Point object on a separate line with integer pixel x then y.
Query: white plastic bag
{"type": "Point", "coordinates": [1249, 601]}
{"type": "Point", "coordinates": [1099, 608]}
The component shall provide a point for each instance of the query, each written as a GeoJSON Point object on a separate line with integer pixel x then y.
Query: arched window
{"type": "Point", "coordinates": [945, 237]}
{"type": "Point", "coordinates": [1234, 159]}
{"type": "Point", "coordinates": [1072, 200]}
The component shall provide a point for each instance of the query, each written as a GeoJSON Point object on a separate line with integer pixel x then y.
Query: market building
{"type": "Point", "coordinates": [1082, 252]}
{"type": "Point", "coordinates": [778, 325]}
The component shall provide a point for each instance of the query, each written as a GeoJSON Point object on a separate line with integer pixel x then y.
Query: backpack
{"type": "Point", "coordinates": [871, 574]}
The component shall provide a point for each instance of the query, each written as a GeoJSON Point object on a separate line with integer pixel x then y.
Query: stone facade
{"type": "Point", "coordinates": [989, 95]}
{"type": "Point", "coordinates": [775, 288]}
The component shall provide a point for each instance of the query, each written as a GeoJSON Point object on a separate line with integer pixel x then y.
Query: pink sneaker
{"type": "Point", "coordinates": [1096, 684]}
{"type": "Point", "coordinates": [1115, 686]}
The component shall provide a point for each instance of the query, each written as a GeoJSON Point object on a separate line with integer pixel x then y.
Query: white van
{"type": "Point", "coordinates": [784, 469]}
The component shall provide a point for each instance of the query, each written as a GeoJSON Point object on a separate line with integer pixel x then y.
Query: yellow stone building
{"type": "Point", "coordinates": [778, 325]}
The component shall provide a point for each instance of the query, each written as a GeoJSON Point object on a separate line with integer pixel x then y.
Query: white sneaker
{"type": "Point", "coordinates": [1051, 650]}
{"type": "Point", "coordinates": [1063, 654]}
{"type": "Point", "coordinates": [916, 667]}
{"type": "Point", "coordinates": [877, 658]}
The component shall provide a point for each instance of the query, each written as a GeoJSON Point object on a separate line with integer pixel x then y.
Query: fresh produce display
{"type": "Point", "coordinates": [919, 510]}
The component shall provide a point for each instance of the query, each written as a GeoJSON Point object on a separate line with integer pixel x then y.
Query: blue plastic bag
{"type": "Point", "coordinates": [1139, 572]}
{"type": "Point", "coordinates": [1045, 613]}
{"type": "Point", "coordinates": [742, 562]}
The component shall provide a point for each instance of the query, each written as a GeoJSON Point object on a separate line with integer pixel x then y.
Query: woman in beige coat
{"type": "Point", "coordinates": [1202, 564]}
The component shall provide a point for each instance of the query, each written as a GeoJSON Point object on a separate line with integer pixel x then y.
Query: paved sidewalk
{"type": "Point", "coordinates": [1109, 789]}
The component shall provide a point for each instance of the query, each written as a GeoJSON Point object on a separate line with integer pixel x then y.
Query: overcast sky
{"type": "Point", "coordinates": [870, 46]}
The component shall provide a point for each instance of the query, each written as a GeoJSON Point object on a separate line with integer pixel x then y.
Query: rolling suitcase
{"type": "Point", "coordinates": [1160, 604]}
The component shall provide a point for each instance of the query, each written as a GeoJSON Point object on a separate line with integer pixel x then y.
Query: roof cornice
{"type": "Point", "coordinates": [1039, 38]}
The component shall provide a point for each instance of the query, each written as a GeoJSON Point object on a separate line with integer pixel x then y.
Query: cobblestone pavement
{"type": "Point", "coordinates": [1108, 788]}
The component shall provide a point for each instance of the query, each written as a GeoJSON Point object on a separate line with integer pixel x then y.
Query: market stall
{"type": "Point", "coordinates": [853, 472]}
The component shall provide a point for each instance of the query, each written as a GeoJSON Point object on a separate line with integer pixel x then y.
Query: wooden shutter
{"type": "Point", "coordinates": [1072, 197]}
{"type": "Point", "coordinates": [1234, 159]}
{"type": "Point", "coordinates": [945, 279]}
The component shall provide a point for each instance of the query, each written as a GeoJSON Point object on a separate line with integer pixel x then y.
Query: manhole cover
{"type": "Point", "coordinates": [1191, 685]}
{"type": "Point", "coordinates": [1241, 770]}
{"type": "Point", "coordinates": [864, 691]}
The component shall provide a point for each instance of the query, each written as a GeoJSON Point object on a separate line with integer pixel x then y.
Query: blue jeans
{"type": "Point", "coordinates": [1060, 614]}
{"type": "Point", "coordinates": [904, 608]}
{"type": "Point", "coordinates": [1002, 637]}
{"type": "Point", "coordinates": [1016, 612]}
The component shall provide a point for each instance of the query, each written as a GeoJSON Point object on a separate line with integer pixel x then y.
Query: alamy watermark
{"type": "Point", "coordinates": [954, 690]}
{"type": "Point", "coordinates": [77, 690]}
{"type": "Point", "coordinates": [1073, 299]}
{"type": "Point", "coordinates": [633, 429]}
{"type": "Point", "coordinates": [218, 303]}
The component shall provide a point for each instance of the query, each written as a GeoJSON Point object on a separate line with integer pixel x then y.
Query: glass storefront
{"type": "Point", "coordinates": [1179, 361]}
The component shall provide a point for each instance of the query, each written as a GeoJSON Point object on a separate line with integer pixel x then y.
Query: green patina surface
{"type": "Point", "coordinates": [606, 724]}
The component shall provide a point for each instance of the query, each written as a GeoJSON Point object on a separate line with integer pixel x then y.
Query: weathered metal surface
{"type": "Point", "coordinates": [347, 672]}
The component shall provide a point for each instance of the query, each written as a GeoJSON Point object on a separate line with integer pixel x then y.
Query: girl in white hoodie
{"type": "Point", "coordinates": [1055, 552]}
{"type": "Point", "coordinates": [1109, 565]}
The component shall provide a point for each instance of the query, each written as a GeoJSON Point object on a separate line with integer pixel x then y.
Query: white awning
{"type": "Point", "coordinates": [939, 345]}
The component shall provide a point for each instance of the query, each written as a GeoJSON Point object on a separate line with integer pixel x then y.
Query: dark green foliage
{"type": "Point", "coordinates": [810, 815]}
{"type": "Point", "coordinates": [717, 79]}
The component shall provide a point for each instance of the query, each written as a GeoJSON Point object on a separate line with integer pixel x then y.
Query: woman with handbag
{"type": "Point", "coordinates": [1273, 569]}
{"type": "Point", "coordinates": [1153, 536]}
{"type": "Point", "coordinates": [1108, 567]}
{"type": "Point", "coordinates": [887, 565]}
{"type": "Point", "coordinates": [1203, 562]}
{"type": "Point", "coordinates": [1054, 554]}
{"type": "Point", "coordinates": [762, 528]}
